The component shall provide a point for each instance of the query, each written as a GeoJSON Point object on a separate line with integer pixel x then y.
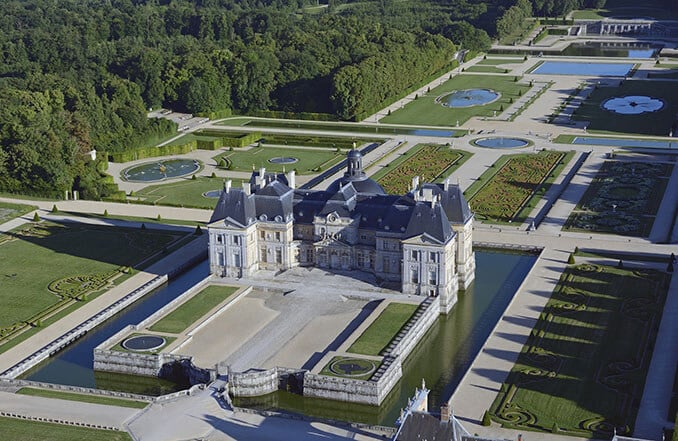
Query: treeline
{"type": "Point", "coordinates": [77, 75]}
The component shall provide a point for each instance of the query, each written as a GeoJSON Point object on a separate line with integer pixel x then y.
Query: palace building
{"type": "Point", "coordinates": [421, 240]}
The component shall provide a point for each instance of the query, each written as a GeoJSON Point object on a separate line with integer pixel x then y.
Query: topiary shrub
{"type": "Point", "coordinates": [487, 421]}
{"type": "Point", "coordinates": [55, 209]}
{"type": "Point", "coordinates": [105, 213]}
{"type": "Point", "coordinates": [213, 175]}
{"type": "Point", "coordinates": [159, 218]}
{"type": "Point", "coordinates": [143, 226]}
{"type": "Point", "coordinates": [570, 260]}
{"type": "Point", "coordinates": [620, 264]}
{"type": "Point", "coordinates": [36, 217]}
{"type": "Point", "coordinates": [193, 178]}
{"type": "Point", "coordinates": [198, 231]}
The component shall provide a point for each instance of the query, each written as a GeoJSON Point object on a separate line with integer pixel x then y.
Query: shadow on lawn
{"type": "Point", "coordinates": [115, 245]}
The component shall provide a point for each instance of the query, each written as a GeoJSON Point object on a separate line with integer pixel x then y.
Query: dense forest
{"type": "Point", "coordinates": [77, 75]}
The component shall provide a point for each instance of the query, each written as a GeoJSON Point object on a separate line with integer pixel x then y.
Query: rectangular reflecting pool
{"type": "Point", "coordinates": [611, 49]}
{"type": "Point", "coordinates": [620, 142]}
{"type": "Point", "coordinates": [583, 69]}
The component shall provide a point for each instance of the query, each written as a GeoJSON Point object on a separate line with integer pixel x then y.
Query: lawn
{"type": "Point", "coordinates": [506, 191]}
{"type": "Point", "coordinates": [85, 398]}
{"type": "Point", "coordinates": [22, 430]}
{"type": "Point", "coordinates": [582, 371]}
{"type": "Point", "coordinates": [360, 128]}
{"type": "Point", "coordinates": [194, 308]}
{"type": "Point", "coordinates": [650, 123]}
{"type": "Point", "coordinates": [309, 161]}
{"type": "Point", "coordinates": [380, 333]}
{"type": "Point", "coordinates": [623, 198]}
{"type": "Point", "coordinates": [47, 265]}
{"type": "Point", "coordinates": [10, 211]}
{"type": "Point", "coordinates": [138, 384]}
{"type": "Point", "coordinates": [426, 111]}
{"type": "Point", "coordinates": [120, 348]}
{"type": "Point", "coordinates": [184, 193]}
{"type": "Point", "coordinates": [487, 69]}
{"type": "Point", "coordinates": [431, 162]}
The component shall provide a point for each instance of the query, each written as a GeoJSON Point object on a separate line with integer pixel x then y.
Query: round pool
{"type": "Point", "coordinates": [212, 194]}
{"type": "Point", "coordinates": [283, 160]}
{"type": "Point", "coordinates": [633, 104]}
{"type": "Point", "coordinates": [161, 170]}
{"type": "Point", "coordinates": [468, 98]}
{"type": "Point", "coordinates": [501, 143]}
{"type": "Point", "coordinates": [143, 343]}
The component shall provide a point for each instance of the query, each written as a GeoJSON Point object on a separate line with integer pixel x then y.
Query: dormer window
{"type": "Point", "coordinates": [278, 218]}
{"type": "Point", "coordinates": [263, 217]}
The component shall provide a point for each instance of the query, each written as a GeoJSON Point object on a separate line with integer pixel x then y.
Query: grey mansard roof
{"type": "Point", "coordinates": [428, 212]}
{"type": "Point", "coordinates": [236, 206]}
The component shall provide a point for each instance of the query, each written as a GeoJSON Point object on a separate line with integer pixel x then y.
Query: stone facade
{"type": "Point", "coordinates": [421, 240]}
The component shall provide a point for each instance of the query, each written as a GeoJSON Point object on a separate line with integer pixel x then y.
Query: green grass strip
{"type": "Point", "coordinates": [380, 333]}
{"type": "Point", "coordinates": [10, 211]}
{"type": "Point", "coordinates": [196, 307]}
{"type": "Point", "coordinates": [23, 430]}
{"type": "Point", "coordinates": [85, 398]}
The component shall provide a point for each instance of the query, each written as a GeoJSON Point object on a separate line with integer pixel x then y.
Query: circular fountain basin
{"type": "Point", "coordinates": [161, 170]}
{"type": "Point", "coordinates": [283, 160]}
{"type": "Point", "coordinates": [501, 143]}
{"type": "Point", "coordinates": [143, 343]}
{"type": "Point", "coordinates": [633, 104]}
{"type": "Point", "coordinates": [469, 98]}
{"type": "Point", "coordinates": [212, 194]}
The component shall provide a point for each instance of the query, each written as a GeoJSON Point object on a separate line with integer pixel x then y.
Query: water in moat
{"type": "Point", "coordinates": [441, 358]}
{"type": "Point", "coordinates": [74, 365]}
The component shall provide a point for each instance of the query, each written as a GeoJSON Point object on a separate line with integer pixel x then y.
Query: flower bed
{"type": "Point", "coordinates": [430, 162]}
{"type": "Point", "coordinates": [622, 199]}
{"type": "Point", "coordinates": [509, 189]}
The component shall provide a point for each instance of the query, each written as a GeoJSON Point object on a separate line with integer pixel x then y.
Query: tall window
{"type": "Point", "coordinates": [433, 277]}
{"type": "Point", "coordinates": [262, 234]}
{"type": "Point", "coordinates": [309, 255]}
{"type": "Point", "coordinates": [236, 260]}
{"type": "Point", "coordinates": [278, 255]}
{"type": "Point", "coordinates": [387, 265]}
{"type": "Point", "coordinates": [220, 258]}
{"type": "Point", "coordinates": [262, 254]}
{"type": "Point", "coordinates": [433, 257]}
{"type": "Point", "coordinates": [414, 254]}
{"type": "Point", "coordinates": [277, 236]}
{"type": "Point", "coordinates": [236, 240]}
{"type": "Point", "coordinates": [415, 275]}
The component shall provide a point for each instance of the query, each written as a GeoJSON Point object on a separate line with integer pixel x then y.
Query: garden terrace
{"type": "Point", "coordinates": [383, 329]}
{"type": "Point", "coordinates": [184, 193]}
{"type": "Point", "coordinates": [623, 198]}
{"type": "Point", "coordinates": [583, 368]}
{"type": "Point", "coordinates": [85, 398]}
{"type": "Point", "coordinates": [11, 211]}
{"type": "Point", "coordinates": [431, 162]}
{"type": "Point", "coordinates": [374, 130]}
{"type": "Point", "coordinates": [193, 309]}
{"type": "Point", "coordinates": [54, 268]}
{"type": "Point", "coordinates": [427, 110]}
{"type": "Point", "coordinates": [657, 123]}
{"type": "Point", "coordinates": [309, 161]}
{"type": "Point", "coordinates": [507, 191]}
{"type": "Point", "coordinates": [17, 429]}
{"type": "Point", "coordinates": [351, 367]}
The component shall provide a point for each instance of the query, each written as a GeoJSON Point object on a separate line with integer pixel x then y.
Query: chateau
{"type": "Point", "coordinates": [421, 240]}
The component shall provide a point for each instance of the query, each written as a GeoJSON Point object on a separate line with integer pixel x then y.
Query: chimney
{"type": "Point", "coordinates": [247, 188]}
{"type": "Point", "coordinates": [227, 185]}
{"type": "Point", "coordinates": [445, 413]}
{"type": "Point", "coordinates": [448, 183]}
{"type": "Point", "coordinates": [427, 194]}
{"type": "Point", "coordinates": [291, 179]}
{"type": "Point", "coordinates": [415, 183]}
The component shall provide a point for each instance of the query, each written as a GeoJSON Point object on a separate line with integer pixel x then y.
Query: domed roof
{"type": "Point", "coordinates": [365, 185]}
{"type": "Point", "coordinates": [356, 176]}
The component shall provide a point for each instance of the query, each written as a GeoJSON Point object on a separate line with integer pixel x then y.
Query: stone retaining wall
{"type": "Point", "coordinates": [417, 331]}
{"type": "Point", "coordinates": [75, 389]}
{"type": "Point", "coordinates": [253, 383]}
{"type": "Point", "coordinates": [56, 421]}
{"type": "Point", "coordinates": [355, 391]}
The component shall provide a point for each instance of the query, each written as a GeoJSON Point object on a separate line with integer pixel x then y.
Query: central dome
{"type": "Point", "coordinates": [356, 176]}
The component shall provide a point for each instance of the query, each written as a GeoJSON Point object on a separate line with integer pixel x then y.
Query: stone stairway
{"type": "Point", "coordinates": [406, 328]}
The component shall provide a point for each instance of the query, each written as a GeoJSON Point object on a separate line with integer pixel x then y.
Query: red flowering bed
{"type": "Point", "coordinates": [505, 193]}
{"type": "Point", "coordinates": [428, 163]}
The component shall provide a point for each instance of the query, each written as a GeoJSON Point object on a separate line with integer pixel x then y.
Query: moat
{"type": "Point", "coordinates": [441, 358]}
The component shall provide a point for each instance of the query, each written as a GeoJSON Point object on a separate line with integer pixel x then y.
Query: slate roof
{"type": "Point", "coordinates": [420, 426]}
{"type": "Point", "coordinates": [236, 206]}
{"type": "Point", "coordinates": [275, 201]}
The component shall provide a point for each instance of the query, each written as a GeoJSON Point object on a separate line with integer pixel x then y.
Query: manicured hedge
{"type": "Point", "coordinates": [152, 152]}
